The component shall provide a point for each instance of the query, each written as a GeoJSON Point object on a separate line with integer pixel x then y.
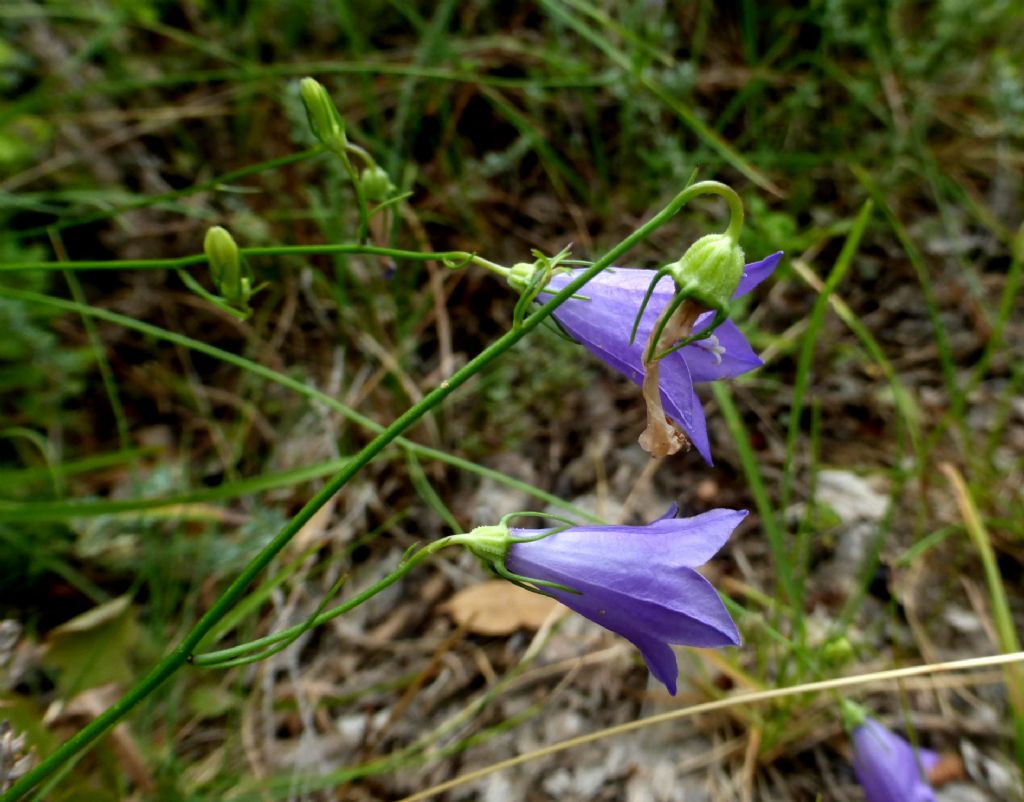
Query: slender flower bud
{"type": "Point", "coordinates": [710, 270]}
{"type": "Point", "coordinates": [225, 262]}
{"type": "Point", "coordinates": [376, 183]}
{"type": "Point", "coordinates": [837, 652]}
{"type": "Point", "coordinates": [324, 119]}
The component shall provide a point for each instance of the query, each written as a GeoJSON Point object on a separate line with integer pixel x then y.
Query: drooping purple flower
{"type": "Point", "coordinates": [638, 581]}
{"type": "Point", "coordinates": [887, 768]}
{"type": "Point", "coordinates": [603, 323]}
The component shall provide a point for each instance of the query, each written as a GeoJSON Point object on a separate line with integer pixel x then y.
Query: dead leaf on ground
{"type": "Point", "coordinates": [498, 608]}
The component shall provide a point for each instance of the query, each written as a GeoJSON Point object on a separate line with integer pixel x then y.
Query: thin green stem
{"type": "Point", "coordinates": [153, 200]}
{"type": "Point", "coordinates": [284, 250]}
{"type": "Point", "coordinates": [225, 658]}
{"type": "Point", "coordinates": [729, 195]}
{"type": "Point", "coordinates": [772, 528]}
{"type": "Point", "coordinates": [180, 655]}
{"type": "Point", "coordinates": [364, 212]}
{"type": "Point", "coordinates": [102, 364]}
{"type": "Point", "coordinates": [810, 342]}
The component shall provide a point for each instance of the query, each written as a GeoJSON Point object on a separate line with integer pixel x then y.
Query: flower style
{"type": "Point", "coordinates": [604, 321]}
{"type": "Point", "coordinates": [637, 581]}
{"type": "Point", "coordinates": [888, 768]}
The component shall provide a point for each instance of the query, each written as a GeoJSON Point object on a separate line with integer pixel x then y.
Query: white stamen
{"type": "Point", "coordinates": [713, 347]}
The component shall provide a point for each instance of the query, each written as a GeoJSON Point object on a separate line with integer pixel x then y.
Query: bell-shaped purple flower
{"type": "Point", "coordinates": [887, 767]}
{"type": "Point", "coordinates": [637, 581]}
{"type": "Point", "coordinates": [603, 322]}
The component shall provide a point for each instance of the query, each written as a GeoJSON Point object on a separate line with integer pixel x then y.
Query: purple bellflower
{"type": "Point", "coordinates": [637, 581]}
{"type": "Point", "coordinates": [604, 321]}
{"type": "Point", "coordinates": [887, 767]}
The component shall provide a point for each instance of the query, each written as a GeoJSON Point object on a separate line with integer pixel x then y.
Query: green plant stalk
{"type": "Point", "coordinates": [226, 658]}
{"type": "Point", "coordinates": [810, 341]}
{"type": "Point", "coordinates": [901, 397]}
{"type": "Point", "coordinates": [102, 364]}
{"type": "Point", "coordinates": [946, 359]}
{"type": "Point", "coordinates": [1007, 303]}
{"type": "Point", "coordinates": [689, 118]}
{"type": "Point", "coordinates": [283, 250]}
{"type": "Point", "coordinates": [364, 210]}
{"type": "Point", "coordinates": [1001, 613]}
{"type": "Point", "coordinates": [42, 445]}
{"type": "Point", "coordinates": [17, 476]}
{"type": "Point", "coordinates": [773, 530]}
{"type": "Point", "coordinates": [269, 72]}
{"type": "Point", "coordinates": [153, 200]}
{"type": "Point", "coordinates": [180, 655]}
{"type": "Point", "coordinates": [60, 510]}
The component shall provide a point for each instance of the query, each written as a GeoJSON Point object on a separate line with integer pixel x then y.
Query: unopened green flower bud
{"type": "Point", "coordinates": [324, 119]}
{"type": "Point", "coordinates": [222, 254]}
{"type": "Point", "coordinates": [376, 183]}
{"type": "Point", "coordinates": [837, 652]}
{"type": "Point", "coordinates": [710, 270]}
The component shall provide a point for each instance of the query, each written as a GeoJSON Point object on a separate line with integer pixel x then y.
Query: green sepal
{"type": "Point", "coordinates": [853, 714]}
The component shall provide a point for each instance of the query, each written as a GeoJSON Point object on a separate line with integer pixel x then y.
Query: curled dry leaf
{"type": "Point", "coordinates": [661, 438]}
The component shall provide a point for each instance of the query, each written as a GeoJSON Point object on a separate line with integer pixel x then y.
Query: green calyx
{"type": "Point", "coordinates": [489, 543]}
{"type": "Point", "coordinates": [522, 274]}
{"type": "Point", "coordinates": [710, 270]}
{"type": "Point", "coordinates": [853, 714]}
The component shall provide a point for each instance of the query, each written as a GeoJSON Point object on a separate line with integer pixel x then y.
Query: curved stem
{"type": "Point", "coordinates": [730, 196]}
{"type": "Point", "coordinates": [499, 270]}
{"type": "Point", "coordinates": [224, 658]}
{"type": "Point", "coordinates": [179, 656]}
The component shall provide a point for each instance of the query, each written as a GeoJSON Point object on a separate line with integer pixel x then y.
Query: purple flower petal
{"type": "Point", "coordinates": [756, 272]}
{"type": "Point", "coordinates": [660, 660]}
{"type": "Point", "coordinates": [639, 581]}
{"type": "Point", "coordinates": [602, 324]}
{"type": "Point", "coordinates": [887, 768]}
{"type": "Point", "coordinates": [681, 402]}
{"type": "Point", "coordinates": [724, 354]}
